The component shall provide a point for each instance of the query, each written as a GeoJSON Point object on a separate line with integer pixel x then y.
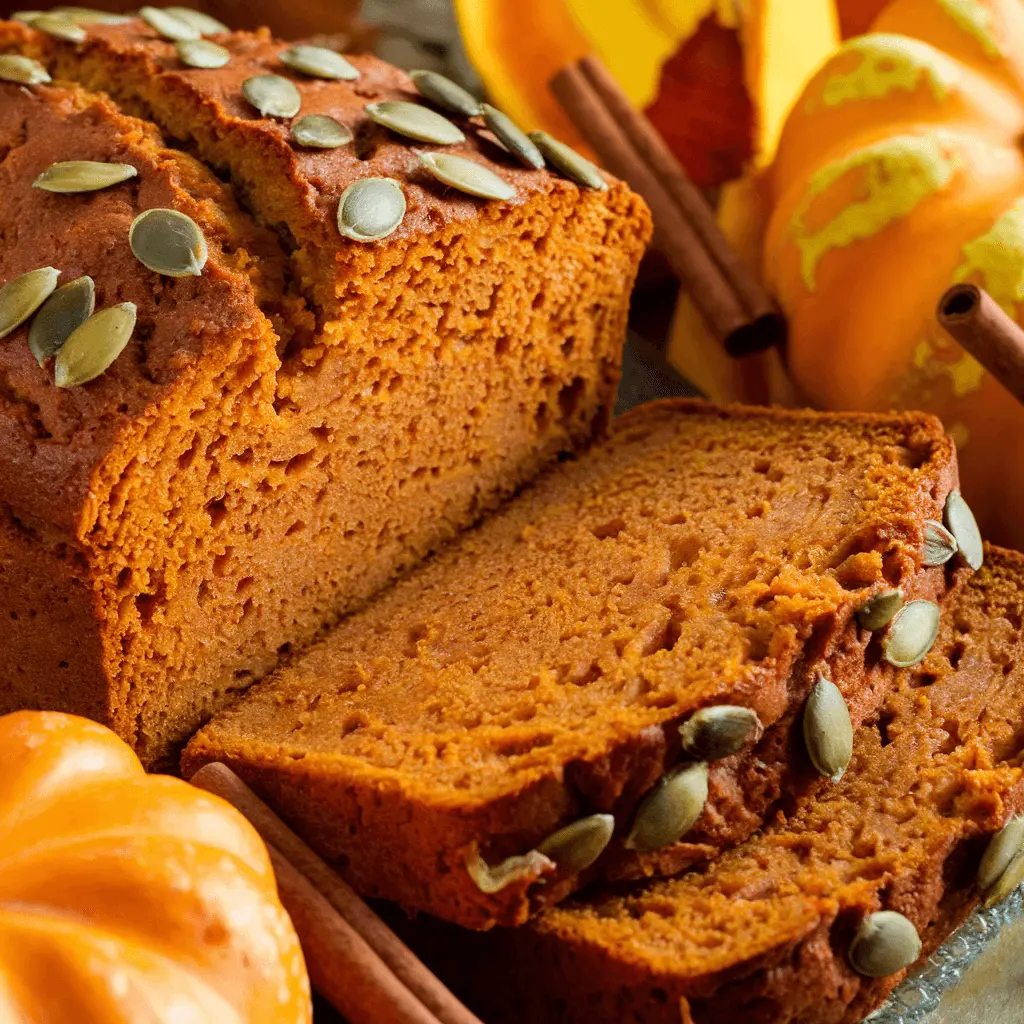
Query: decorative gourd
{"type": "Point", "coordinates": [900, 172]}
{"type": "Point", "coordinates": [127, 898]}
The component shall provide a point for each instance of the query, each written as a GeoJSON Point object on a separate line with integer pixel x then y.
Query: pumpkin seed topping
{"type": "Point", "coordinates": [492, 878]}
{"type": "Point", "coordinates": [716, 732]}
{"type": "Point", "coordinates": [90, 16]}
{"type": "Point", "coordinates": [168, 242]}
{"type": "Point", "coordinates": [20, 298]}
{"type": "Point", "coordinates": [26, 17]}
{"type": "Point", "coordinates": [320, 132]}
{"type": "Point", "coordinates": [445, 93]}
{"type": "Point", "coordinates": [94, 346]}
{"type": "Point", "coordinates": [201, 53]}
{"type": "Point", "coordinates": [272, 95]}
{"type": "Point", "coordinates": [877, 611]}
{"type": "Point", "coordinates": [370, 209]}
{"type": "Point", "coordinates": [23, 70]}
{"type": "Point", "coordinates": [512, 137]}
{"type": "Point", "coordinates": [964, 527]}
{"type": "Point", "coordinates": [1007, 882]}
{"type": "Point", "coordinates": [566, 160]}
{"type": "Point", "coordinates": [58, 27]}
{"type": "Point", "coordinates": [912, 633]}
{"type": "Point", "coordinates": [939, 544]}
{"type": "Point", "coordinates": [202, 23]}
{"type": "Point", "coordinates": [886, 942]}
{"type": "Point", "coordinates": [60, 316]}
{"type": "Point", "coordinates": [168, 25]}
{"type": "Point", "coordinates": [828, 730]}
{"type": "Point", "coordinates": [319, 62]}
{"type": "Point", "coordinates": [575, 847]}
{"type": "Point", "coordinates": [1003, 847]}
{"type": "Point", "coordinates": [466, 176]}
{"type": "Point", "coordinates": [670, 809]}
{"type": "Point", "coordinates": [71, 176]}
{"type": "Point", "coordinates": [415, 122]}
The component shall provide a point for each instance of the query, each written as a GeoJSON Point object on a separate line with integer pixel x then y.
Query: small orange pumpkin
{"type": "Point", "coordinates": [127, 898]}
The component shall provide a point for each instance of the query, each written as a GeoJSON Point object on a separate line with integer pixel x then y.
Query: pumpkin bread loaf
{"type": "Point", "coordinates": [304, 420]}
{"type": "Point", "coordinates": [765, 935]}
{"type": "Point", "coordinates": [534, 676]}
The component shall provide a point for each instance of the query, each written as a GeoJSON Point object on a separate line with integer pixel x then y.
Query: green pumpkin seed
{"type": "Point", "coordinates": [59, 28]}
{"type": "Point", "coordinates": [671, 808]}
{"type": "Point", "coordinates": [94, 346]}
{"type": "Point", "coordinates": [877, 611]}
{"type": "Point", "coordinates": [492, 878]}
{"type": "Point", "coordinates": [445, 93]}
{"type": "Point", "coordinates": [1008, 882]}
{"type": "Point", "coordinates": [1003, 847]}
{"type": "Point", "coordinates": [513, 138]}
{"type": "Point", "coordinates": [415, 122]}
{"type": "Point", "coordinates": [962, 524]}
{"type": "Point", "coordinates": [370, 209]}
{"type": "Point", "coordinates": [167, 25]}
{"type": "Point", "coordinates": [20, 298]}
{"type": "Point", "coordinates": [716, 732]}
{"type": "Point", "coordinates": [202, 23]}
{"type": "Point", "coordinates": [319, 62]}
{"type": "Point", "coordinates": [912, 634]}
{"type": "Point", "coordinates": [71, 176]}
{"type": "Point", "coordinates": [886, 942]}
{"type": "Point", "coordinates": [26, 17]}
{"type": "Point", "coordinates": [201, 53]}
{"type": "Point", "coordinates": [23, 70]}
{"type": "Point", "coordinates": [60, 316]}
{"type": "Point", "coordinates": [169, 243]}
{"type": "Point", "coordinates": [828, 730]}
{"type": "Point", "coordinates": [320, 132]}
{"type": "Point", "coordinates": [566, 160]}
{"type": "Point", "coordinates": [575, 847]}
{"type": "Point", "coordinates": [272, 95]}
{"type": "Point", "coordinates": [466, 176]}
{"type": "Point", "coordinates": [90, 16]}
{"type": "Point", "coordinates": [939, 544]}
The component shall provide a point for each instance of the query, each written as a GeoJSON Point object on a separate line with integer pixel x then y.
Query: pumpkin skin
{"type": "Point", "coordinates": [899, 172]}
{"type": "Point", "coordinates": [127, 898]}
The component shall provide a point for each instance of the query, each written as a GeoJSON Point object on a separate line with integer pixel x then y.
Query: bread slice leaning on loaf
{"type": "Point", "coordinates": [304, 420]}
{"type": "Point", "coordinates": [782, 929]}
{"type": "Point", "coordinates": [544, 672]}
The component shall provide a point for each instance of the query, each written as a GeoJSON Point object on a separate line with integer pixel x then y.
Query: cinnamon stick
{"type": "Point", "coordinates": [392, 953]}
{"type": "Point", "coordinates": [977, 322]}
{"type": "Point", "coordinates": [727, 294]}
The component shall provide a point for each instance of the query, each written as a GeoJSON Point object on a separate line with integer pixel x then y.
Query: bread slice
{"type": "Point", "coordinates": [537, 672]}
{"type": "Point", "coordinates": [763, 935]}
{"type": "Point", "coordinates": [307, 419]}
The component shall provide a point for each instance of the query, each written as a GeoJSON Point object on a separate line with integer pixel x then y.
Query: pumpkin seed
{"type": "Point", "coordinates": [671, 808]}
{"type": "Point", "coordinates": [492, 878]}
{"type": "Point", "coordinates": [877, 611]}
{"type": "Point", "coordinates": [60, 316]}
{"type": "Point", "coordinates": [320, 132]}
{"type": "Point", "coordinates": [201, 53]}
{"type": "Point", "coordinates": [319, 62]}
{"type": "Point", "coordinates": [713, 733]}
{"type": "Point", "coordinates": [575, 847]}
{"type": "Point", "coordinates": [886, 942]}
{"type": "Point", "coordinates": [445, 93]}
{"type": "Point", "coordinates": [90, 16]}
{"type": "Point", "coordinates": [94, 346]}
{"type": "Point", "coordinates": [466, 176]}
{"type": "Point", "coordinates": [371, 208]}
{"type": "Point", "coordinates": [828, 731]}
{"type": "Point", "coordinates": [167, 25]}
{"type": "Point", "coordinates": [939, 544]}
{"type": "Point", "coordinates": [58, 27]}
{"type": "Point", "coordinates": [272, 95]}
{"type": "Point", "coordinates": [964, 527]}
{"type": "Point", "coordinates": [202, 23]}
{"type": "Point", "coordinates": [71, 176]}
{"type": "Point", "coordinates": [415, 122]}
{"type": "Point", "coordinates": [1002, 849]}
{"type": "Point", "coordinates": [512, 137]}
{"type": "Point", "coordinates": [566, 160]}
{"type": "Point", "coordinates": [26, 17]}
{"type": "Point", "coordinates": [168, 242]}
{"type": "Point", "coordinates": [912, 633]}
{"type": "Point", "coordinates": [1007, 882]}
{"type": "Point", "coordinates": [20, 298]}
{"type": "Point", "coordinates": [23, 70]}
